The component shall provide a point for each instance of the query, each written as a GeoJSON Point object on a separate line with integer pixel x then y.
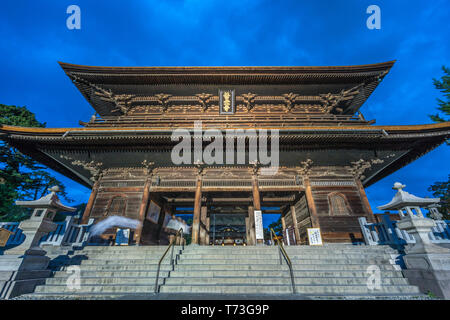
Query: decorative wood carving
{"type": "Point", "coordinates": [249, 100]}
{"type": "Point", "coordinates": [95, 168]}
{"type": "Point", "coordinates": [359, 167]}
{"type": "Point", "coordinates": [163, 99]}
{"type": "Point", "coordinates": [289, 99]}
{"type": "Point", "coordinates": [330, 101]}
{"type": "Point", "coordinates": [204, 99]}
{"type": "Point", "coordinates": [305, 167]}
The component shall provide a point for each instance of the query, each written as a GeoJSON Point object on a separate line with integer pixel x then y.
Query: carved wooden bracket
{"type": "Point", "coordinates": [249, 100]}
{"type": "Point", "coordinates": [289, 99]}
{"type": "Point", "coordinates": [305, 167]}
{"type": "Point", "coordinates": [163, 99]}
{"type": "Point", "coordinates": [332, 100]}
{"type": "Point", "coordinates": [204, 99]}
{"type": "Point", "coordinates": [359, 167]}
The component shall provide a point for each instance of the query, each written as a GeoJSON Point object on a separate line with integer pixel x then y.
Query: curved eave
{"type": "Point", "coordinates": [220, 71]}
{"type": "Point", "coordinates": [422, 138]}
{"type": "Point", "coordinates": [443, 128]}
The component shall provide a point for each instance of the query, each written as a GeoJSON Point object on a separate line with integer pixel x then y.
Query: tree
{"type": "Point", "coordinates": [444, 86]}
{"type": "Point", "coordinates": [441, 189]}
{"type": "Point", "coordinates": [276, 226]}
{"type": "Point", "coordinates": [21, 177]}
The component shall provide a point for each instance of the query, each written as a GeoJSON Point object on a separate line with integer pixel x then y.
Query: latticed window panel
{"type": "Point", "coordinates": [338, 204]}
{"type": "Point", "coordinates": [117, 207]}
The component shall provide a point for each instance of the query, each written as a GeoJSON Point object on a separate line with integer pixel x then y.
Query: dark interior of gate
{"type": "Point", "coordinates": [226, 218]}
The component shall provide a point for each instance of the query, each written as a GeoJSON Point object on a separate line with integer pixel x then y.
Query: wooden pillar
{"type": "Point", "coordinates": [311, 204]}
{"type": "Point", "coordinates": [90, 204]}
{"type": "Point", "coordinates": [142, 210]}
{"type": "Point", "coordinates": [283, 223]}
{"type": "Point", "coordinates": [208, 228]}
{"type": "Point", "coordinates": [256, 203]}
{"type": "Point", "coordinates": [197, 209]}
{"type": "Point", "coordinates": [296, 230]}
{"type": "Point", "coordinates": [365, 201]}
{"type": "Point", "coordinates": [202, 233]}
{"type": "Point", "coordinates": [250, 221]}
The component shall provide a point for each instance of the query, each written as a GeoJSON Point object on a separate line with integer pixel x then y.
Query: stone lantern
{"type": "Point", "coordinates": [412, 218]}
{"type": "Point", "coordinates": [428, 265]}
{"type": "Point", "coordinates": [25, 266]}
{"type": "Point", "coordinates": [40, 222]}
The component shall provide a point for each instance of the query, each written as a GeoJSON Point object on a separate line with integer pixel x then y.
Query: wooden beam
{"type": "Point", "coordinates": [202, 231]}
{"type": "Point", "coordinates": [90, 204]}
{"type": "Point", "coordinates": [250, 224]}
{"type": "Point", "coordinates": [256, 202]}
{"type": "Point", "coordinates": [365, 201]}
{"type": "Point", "coordinates": [294, 220]}
{"type": "Point", "coordinates": [197, 208]}
{"type": "Point", "coordinates": [142, 210]}
{"type": "Point", "coordinates": [311, 205]}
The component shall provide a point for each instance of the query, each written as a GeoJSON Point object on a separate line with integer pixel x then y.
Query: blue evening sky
{"type": "Point", "coordinates": [34, 36]}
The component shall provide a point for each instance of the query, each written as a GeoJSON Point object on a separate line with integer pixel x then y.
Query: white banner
{"type": "Point", "coordinates": [259, 225]}
{"type": "Point", "coordinates": [314, 237]}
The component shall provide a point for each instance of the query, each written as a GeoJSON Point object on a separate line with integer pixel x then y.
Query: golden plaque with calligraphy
{"type": "Point", "coordinates": [226, 102]}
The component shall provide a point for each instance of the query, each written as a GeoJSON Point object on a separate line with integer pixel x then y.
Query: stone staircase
{"type": "Point", "coordinates": [330, 271]}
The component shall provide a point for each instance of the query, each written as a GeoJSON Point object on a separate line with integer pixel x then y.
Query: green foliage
{"type": "Point", "coordinates": [443, 85]}
{"type": "Point", "coordinates": [276, 226]}
{"type": "Point", "coordinates": [21, 177]}
{"type": "Point", "coordinates": [442, 190]}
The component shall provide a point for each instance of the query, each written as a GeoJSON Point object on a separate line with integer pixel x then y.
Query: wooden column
{"type": "Point", "coordinates": [90, 204]}
{"type": "Point", "coordinates": [208, 227]}
{"type": "Point", "coordinates": [251, 240]}
{"type": "Point", "coordinates": [256, 203]}
{"type": "Point", "coordinates": [283, 223]}
{"type": "Point", "coordinates": [365, 201]}
{"type": "Point", "coordinates": [311, 204]}
{"type": "Point", "coordinates": [202, 233]}
{"type": "Point", "coordinates": [143, 210]}
{"type": "Point", "coordinates": [294, 221]}
{"type": "Point", "coordinates": [197, 209]}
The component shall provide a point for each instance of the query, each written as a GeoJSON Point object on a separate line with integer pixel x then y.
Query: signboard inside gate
{"type": "Point", "coordinates": [314, 237]}
{"type": "Point", "coordinates": [259, 225]}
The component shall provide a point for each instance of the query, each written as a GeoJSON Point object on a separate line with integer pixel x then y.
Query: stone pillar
{"type": "Point", "coordinates": [256, 203]}
{"type": "Point", "coordinates": [294, 221]}
{"type": "Point", "coordinates": [250, 224]}
{"type": "Point", "coordinates": [143, 210]}
{"type": "Point", "coordinates": [365, 201]}
{"type": "Point", "coordinates": [90, 204]}
{"type": "Point", "coordinates": [202, 225]}
{"type": "Point", "coordinates": [311, 205]}
{"type": "Point", "coordinates": [197, 209]}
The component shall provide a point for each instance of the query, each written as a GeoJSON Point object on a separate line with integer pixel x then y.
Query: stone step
{"type": "Point", "coordinates": [230, 289]}
{"type": "Point", "coordinates": [234, 260]}
{"type": "Point", "coordinates": [286, 289]}
{"type": "Point", "coordinates": [283, 273]}
{"type": "Point", "coordinates": [249, 260]}
{"type": "Point", "coordinates": [113, 274]}
{"type": "Point", "coordinates": [271, 255]}
{"type": "Point", "coordinates": [286, 280]}
{"type": "Point", "coordinates": [121, 267]}
{"type": "Point", "coordinates": [299, 267]}
{"type": "Point", "coordinates": [235, 273]}
{"type": "Point", "coordinates": [103, 289]}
